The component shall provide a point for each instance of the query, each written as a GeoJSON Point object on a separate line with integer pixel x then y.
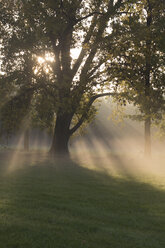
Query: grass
{"type": "Point", "coordinates": [68, 206]}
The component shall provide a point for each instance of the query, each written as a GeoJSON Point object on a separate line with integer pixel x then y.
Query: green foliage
{"type": "Point", "coordinates": [30, 29]}
{"type": "Point", "coordinates": [14, 114]}
{"type": "Point", "coordinates": [42, 112]}
{"type": "Point", "coordinates": [138, 59]}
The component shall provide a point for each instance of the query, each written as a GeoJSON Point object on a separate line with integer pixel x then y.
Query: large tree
{"type": "Point", "coordinates": [40, 28]}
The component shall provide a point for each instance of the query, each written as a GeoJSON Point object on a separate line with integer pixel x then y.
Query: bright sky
{"type": "Point", "coordinates": [74, 54]}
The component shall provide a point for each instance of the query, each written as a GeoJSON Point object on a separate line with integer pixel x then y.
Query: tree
{"type": "Point", "coordinates": [14, 115]}
{"type": "Point", "coordinates": [56, 27]}
{"type": "Point", "coordinates": [139, 68]}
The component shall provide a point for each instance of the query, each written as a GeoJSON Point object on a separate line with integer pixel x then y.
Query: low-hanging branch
{"type": "Point", "coordinates": [84, 115]}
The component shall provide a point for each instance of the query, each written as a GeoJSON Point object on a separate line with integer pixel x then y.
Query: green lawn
{"type": "Point", "coordinates": [68, 206]}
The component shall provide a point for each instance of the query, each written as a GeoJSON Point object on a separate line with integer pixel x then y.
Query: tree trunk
{"type": "Point", "coordinates": [61, 136]}
{"type": "Point", "coordinates": [148, 137]}
{"type": "Point", "coordinates": [148, 85]}
{"type": "Point", "coordinates": [26, 140]}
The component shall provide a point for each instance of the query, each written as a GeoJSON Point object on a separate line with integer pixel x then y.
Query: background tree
{"type": "Point", "coordinates": [14, 116]}
{"type": "Point", "coordinates": [138, 60]}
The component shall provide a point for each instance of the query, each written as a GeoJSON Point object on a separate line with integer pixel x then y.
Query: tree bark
{"type": "Point", "coordinates": [61, 136]}
{"type": "Point", "coordinates": [148, 137]}
{"type": "Point", "coordinates": [26, 140]}
{"type": "Point", "coordinates": [62, 131]}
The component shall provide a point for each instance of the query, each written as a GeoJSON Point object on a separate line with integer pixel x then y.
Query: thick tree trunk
{"type": "Point", "coordinates": [148, 137]}
{"type": "Point", "coordinates": [26, 140]}
{"type": "Point", "coordinates": [61, 136]}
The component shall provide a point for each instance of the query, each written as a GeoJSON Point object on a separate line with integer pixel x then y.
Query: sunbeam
{"type": "Point", "coordinates": [117, 151]}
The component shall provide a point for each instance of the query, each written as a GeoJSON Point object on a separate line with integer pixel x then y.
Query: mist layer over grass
{"type": "Point", "coordinates": [45, 204]}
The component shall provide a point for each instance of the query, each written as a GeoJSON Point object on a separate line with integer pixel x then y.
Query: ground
{"type": "Point", "coordinates": [61, 204]}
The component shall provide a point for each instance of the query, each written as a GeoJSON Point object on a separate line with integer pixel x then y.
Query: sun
{"type": "Point", "coordinates": [48, 57]}
{"type": "Point", "coordinates": [40, 60]}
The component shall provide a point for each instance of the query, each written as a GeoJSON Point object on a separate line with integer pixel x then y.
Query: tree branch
{"type": "Point", "coordinates": [83, 51]}
{"type": "Point", "coordinates": [94, 69]}
{"type": "Point", "coordinates": [91, 14]}
{"type": "Point", "coordinates": [84, 115]}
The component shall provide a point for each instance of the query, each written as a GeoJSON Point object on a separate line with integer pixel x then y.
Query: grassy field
{"type": "Point", "coordinates": [64, 205]}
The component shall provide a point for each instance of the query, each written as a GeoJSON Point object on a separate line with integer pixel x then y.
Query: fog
{"type": "Point", "coordinates": [117, 149]}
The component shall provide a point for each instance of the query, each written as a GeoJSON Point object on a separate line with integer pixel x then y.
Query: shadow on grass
{"type": "Point", "coordinates": [61, 204]}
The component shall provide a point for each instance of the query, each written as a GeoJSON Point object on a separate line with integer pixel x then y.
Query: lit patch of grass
{"type": "Point", "coordinates": [47, 206]}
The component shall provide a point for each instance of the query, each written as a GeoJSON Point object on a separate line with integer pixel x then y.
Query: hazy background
{"type": "Point", "coordinates": [115, 148]}
{"type": "Point", "coordinates": [119, 136]}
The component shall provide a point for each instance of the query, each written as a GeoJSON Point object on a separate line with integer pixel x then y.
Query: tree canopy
{"type": "Point", "coordinates": [31, 29]}
{"type": "Point", "coordinates": [138, 61]}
